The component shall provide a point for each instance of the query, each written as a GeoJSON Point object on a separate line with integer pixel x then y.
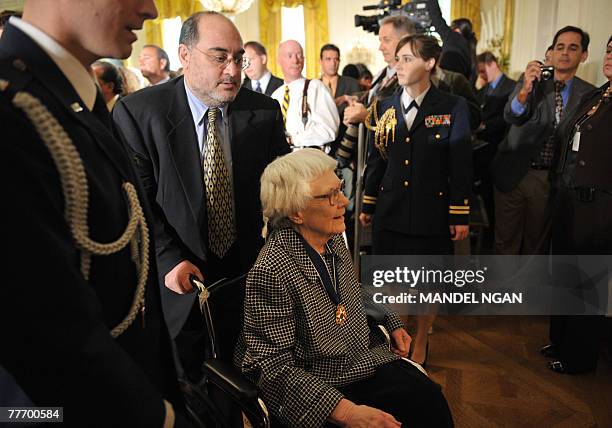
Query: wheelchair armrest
{"type": "Point", "coordinates": [230, 380]}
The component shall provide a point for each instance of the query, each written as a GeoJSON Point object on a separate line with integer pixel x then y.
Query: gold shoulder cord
{"type": "Point", "coordinates": [385, 128]}
{"type": "Point", "coordinates": [371, 113]}
{"type": "Point", "coordinates": [76, 194]}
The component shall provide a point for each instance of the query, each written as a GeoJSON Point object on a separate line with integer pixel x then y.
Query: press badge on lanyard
{"type": "Point", "coordinates": [576, 141]}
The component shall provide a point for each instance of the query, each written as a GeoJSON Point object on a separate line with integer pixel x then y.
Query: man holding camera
{"type": "Point", "coordinates": [520, 169]}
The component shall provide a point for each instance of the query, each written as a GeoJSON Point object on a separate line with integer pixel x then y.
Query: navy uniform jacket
{"type": "Point", "coordinates": [55, 325]}
{"type": "Point", "coordinates": [424, 185]}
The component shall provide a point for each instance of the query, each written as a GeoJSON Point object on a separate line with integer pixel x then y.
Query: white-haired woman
{"type": "Point", "coordinates": [305, 339]}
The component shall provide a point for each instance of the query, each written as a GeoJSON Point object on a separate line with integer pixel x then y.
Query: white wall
{"type": "Point", "coordinates": [248, 23]}
{"type": "Point", "coordinates": [537, 21]}
{"type": "Point", "coordinates": [344, 34]}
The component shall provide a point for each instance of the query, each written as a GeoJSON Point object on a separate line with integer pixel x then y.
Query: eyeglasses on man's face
{"type": "Point", "coordinates": [222, 59]}
{"type": "Point", "coordinates": [334, 196]}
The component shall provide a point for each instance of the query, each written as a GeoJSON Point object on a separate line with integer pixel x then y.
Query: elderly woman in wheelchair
{"type": "Point", "coordinates": [305, 339]}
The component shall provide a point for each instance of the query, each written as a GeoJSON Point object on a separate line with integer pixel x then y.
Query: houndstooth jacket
{"type": "Point", "coordinates": [291, 345]}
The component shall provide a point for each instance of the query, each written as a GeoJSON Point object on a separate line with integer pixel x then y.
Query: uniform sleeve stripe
{"type": "Point", "coordinates": [459, 212]}
{"type": "Point", "coordinates": [459, 207]}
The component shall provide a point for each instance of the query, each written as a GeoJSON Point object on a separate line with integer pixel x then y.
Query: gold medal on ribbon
{"type": "Point", "coordinates": [341, 314]}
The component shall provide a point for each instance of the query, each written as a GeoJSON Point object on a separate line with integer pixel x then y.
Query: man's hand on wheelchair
{"type": "Point", "coordinates": [177, 279]}
{"type": "Point", "coordinates": [400, 342]}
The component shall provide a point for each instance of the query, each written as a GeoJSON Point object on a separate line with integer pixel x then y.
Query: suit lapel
{"type": "Point", "coordinates": [185, 149]}
{"type": "Point", "coordinates": [47, 72]}
{"type": "Point", "coordinates": [573, 99]}
{"type": "Point", "coordinates": [340, 87]}
{"type": "Point", "coordinates": [241, 127]}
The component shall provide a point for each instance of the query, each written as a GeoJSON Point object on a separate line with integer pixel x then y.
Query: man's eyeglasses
{"type": "Point", "coordinates": [334, 196]}
{"type": "Point", "coordinates": [222, 60]}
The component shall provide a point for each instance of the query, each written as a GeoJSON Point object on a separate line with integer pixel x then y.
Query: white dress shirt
{"type": "Point", "coordinates": [323, 120]}
{"type": "Point", "coordinates": [406, 100]}
{"type": "Point", "coordinates": [263, 82]}
{"type": "Point", "coordinates": [81, 78]}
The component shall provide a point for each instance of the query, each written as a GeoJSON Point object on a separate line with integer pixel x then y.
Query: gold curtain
{"type": "Point", "coordinates": [508, 29]}
{"type": "Point", "coordinates": [167, 9]}
{"type": "Point", "coordinates": [270, 30]}
{"type": "Point", "coordinates": [315, 26]}
{"type": "Point", "coordinates": [469, 9]}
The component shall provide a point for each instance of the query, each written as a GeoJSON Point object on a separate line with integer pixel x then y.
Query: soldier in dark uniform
{"type": "Point", "coordinates": [80, 312]}
{"type": "Point", "coordinates": [582, 215]}
{"type": "Point", "coordinates": [419, 169]}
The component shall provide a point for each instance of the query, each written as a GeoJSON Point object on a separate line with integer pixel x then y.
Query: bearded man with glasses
{"type": "Point", "coordinates": [201, 143]}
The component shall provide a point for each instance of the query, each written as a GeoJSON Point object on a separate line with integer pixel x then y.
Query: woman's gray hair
{"type": "Point", "coordinates": [285, 184]}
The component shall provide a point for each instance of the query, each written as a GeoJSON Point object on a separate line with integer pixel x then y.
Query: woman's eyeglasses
{"type": "Point", "coordinates": [334, 196]}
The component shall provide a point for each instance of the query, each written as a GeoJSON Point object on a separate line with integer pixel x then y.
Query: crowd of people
{"type": "Point", "coordinates": [123, 186]}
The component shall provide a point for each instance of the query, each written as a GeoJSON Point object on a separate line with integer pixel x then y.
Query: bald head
{"type": "Point", "coordinates": [291, 60]}
{"type": "Point", "coordinates": [211, 54]}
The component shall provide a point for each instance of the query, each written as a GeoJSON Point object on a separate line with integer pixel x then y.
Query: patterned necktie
{"type": "Point", "coordinates": [221, 229]}
{"type": "Point", "coordinates": [547, 152]}
{"type": "Point", "coordinates": [559, 86]}
{"type": "Point", "coordinates": [285, 105]}
{"type": "Point", "coordinates": [258, 88]}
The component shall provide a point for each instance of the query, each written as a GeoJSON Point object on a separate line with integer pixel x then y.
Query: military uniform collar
{"type": "Point", "coordinates": [79, 77]}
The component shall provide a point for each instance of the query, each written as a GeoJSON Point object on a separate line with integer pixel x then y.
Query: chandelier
{"type": "Point", "coordinates": [227, 7]}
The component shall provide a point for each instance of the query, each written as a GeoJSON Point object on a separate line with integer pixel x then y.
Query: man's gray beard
{"type": "Point", "coordinates": [215, 100]}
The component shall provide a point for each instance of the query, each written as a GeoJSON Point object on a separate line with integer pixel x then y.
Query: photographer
{"type": "Point", "coordinates": [458, 42]}
{"type": "Point", "coordinates": [520, 170]}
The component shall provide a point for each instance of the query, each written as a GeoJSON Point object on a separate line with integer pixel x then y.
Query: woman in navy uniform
{"type": "Point", "coordinates": [581, 220]}
{"type": "Point", "coordinates": [419, 170]}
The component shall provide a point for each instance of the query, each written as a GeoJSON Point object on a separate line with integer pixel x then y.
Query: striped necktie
{"type": "Point", "coordinates": [258, 87]}
{"type": "Point", "coordinates": [219, 206]}
{"type": "Point", "coordinates": [285, 105]}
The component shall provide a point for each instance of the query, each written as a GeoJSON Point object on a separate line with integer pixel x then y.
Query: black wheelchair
{"type": "Point", "coordinates": [224, 395]}
{"type": "Point", "coordinates": [207, 402]}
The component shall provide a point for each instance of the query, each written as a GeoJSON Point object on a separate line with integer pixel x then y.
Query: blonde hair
{"type": "Point", "coordinates": [285, 184]}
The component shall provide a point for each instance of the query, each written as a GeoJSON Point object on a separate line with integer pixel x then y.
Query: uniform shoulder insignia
{"type": "Point", "coordinates": [14, 76]}
{"type": "Point", "coordinates": [385, 129]}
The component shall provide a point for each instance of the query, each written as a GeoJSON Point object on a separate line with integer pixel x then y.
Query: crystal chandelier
{"type": "Point", "coordinates": [227, 7]}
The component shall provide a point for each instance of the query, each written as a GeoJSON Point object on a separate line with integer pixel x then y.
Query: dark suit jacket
{"type": "Point", "coordinates": [55, 323]}
{"type": "Point", "coordinates": [493, 110]}
{"type": "Point", "coordinates": [346, 86]}
{"type": "Point", "coordinates": [273, 84]}
{"type": "Point", "coordinates": [590, 165]}
{"type": "Point", "coordinates": [425, 183]}
{"type": "Point", "coordinates": [158, 125]}
{"type": "Point", "coordinates": [529, 131]}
